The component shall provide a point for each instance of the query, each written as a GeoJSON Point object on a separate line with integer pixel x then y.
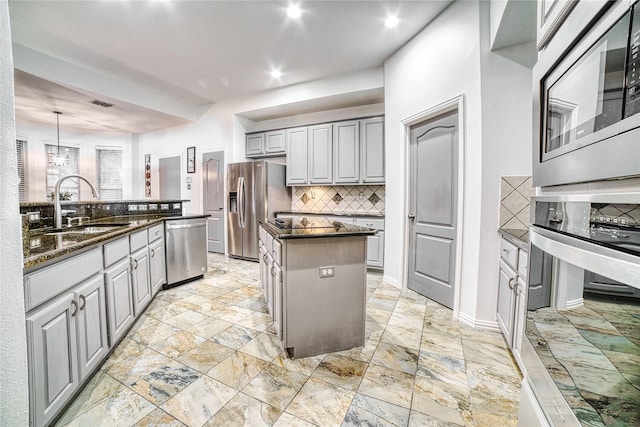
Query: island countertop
{"type": "Point", "coordinates": [296, 228]}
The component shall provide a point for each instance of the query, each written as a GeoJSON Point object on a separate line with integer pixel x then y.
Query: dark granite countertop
{"type": "Point", "coordinates": [102, 202]}
{"type": "Point", "coordinates": [319, 227]}
{"type": "Point", "coordinates": [519, 238]}
{"type": "Point", "coordinates": [41, 246]}
{"type": "Point", "coordinates": [353, 214]}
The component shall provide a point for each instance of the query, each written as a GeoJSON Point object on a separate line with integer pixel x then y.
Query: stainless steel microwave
{"type": "Point", "coordinates": [587, 102]}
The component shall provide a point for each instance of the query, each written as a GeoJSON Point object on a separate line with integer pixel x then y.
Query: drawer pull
{"type": "Point", "coordinates": [153, 252]}
{"type": "Point", "coordinates": [83, 301]}
{"type": "Point", "coordinates": [75, 306]}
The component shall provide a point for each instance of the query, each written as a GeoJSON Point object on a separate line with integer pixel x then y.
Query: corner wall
{"type": "Point", "coordinates": [14, 396]}
{"type": "Point", "coordinates": [452, 57]}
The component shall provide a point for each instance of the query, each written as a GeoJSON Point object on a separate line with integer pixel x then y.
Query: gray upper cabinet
{"type": "Point", "coordinates": [53, 355]}
{"type": "Point", "coordinates": [265, 144]}
{"type": "Point", "coordinates": [320, 154]}
{"type": "Point", "coordinates": [254, 144]}
{"type": "Point", "coordinates": [372, 150]}
{"type": "Point", "coordinates": [346, 136]}
{"type": "Point", "coordinates": [348, 152]}
{"type": "Point", "coordinates": [297, 156]}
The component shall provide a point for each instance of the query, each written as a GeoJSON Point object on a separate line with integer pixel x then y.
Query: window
{"type": "Point", "coordinates": [23, 177]}
{"type": "Point", "coordinates": [109, 167]}
{"type": "Point", "coordinates": [70, 167]}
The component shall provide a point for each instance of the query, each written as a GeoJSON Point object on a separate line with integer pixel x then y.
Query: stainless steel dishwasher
{"type": "Point", "coordinates": [186, 249]}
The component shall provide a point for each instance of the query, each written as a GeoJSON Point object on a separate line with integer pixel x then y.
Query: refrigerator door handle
{"type": "Point", "coordinates": [243, 202]}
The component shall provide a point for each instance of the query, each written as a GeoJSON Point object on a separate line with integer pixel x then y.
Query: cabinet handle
{"type": "Point", "coordinates": [83, 302]}
{"type": "Point", "coordinates": [135, 264]}
{"type": "Point", "coordinates": [511, 283]}
{"type": "Point", "coordinates": [273, 272]}
{"type": "Point", "coordinates": [153, 252]}
{"type": "Point", "coordinates": [75, 306]}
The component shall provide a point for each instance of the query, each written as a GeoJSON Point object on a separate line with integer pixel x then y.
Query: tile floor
{"type": "Point", "coordinates": [204, 354]}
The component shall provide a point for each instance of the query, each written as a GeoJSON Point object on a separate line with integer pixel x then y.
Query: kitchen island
{"type": "Point", "coordinates": [314, 276]}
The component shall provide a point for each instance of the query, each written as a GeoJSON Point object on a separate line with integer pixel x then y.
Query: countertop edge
{"type": "Point", "coordinates": [277, 233]}
{"type": "Point", "coordinates": [347, 214]}
{"type": "Point", "coordinates": [519, 238]}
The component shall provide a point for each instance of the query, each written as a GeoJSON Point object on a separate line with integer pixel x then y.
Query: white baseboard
{"type": "Point", "coordinates": [574, 303]}
{"type": "Point", "coordinates": [392, 281]}
{"type": "Point", "coordinates": [483, 324]}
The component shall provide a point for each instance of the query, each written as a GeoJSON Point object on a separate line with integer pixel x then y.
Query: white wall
{"type": "Point", "coordinates": [14, 399]}
{"type": "Point", "coordinates": [446, 60]}
{"type": "Point", "coordinates": [38, 134]}
{"type": "Point", "coordinates": [221, 129]}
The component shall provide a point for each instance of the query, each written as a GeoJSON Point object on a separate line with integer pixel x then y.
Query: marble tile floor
{"type": "Point", "coordinates": [203, 354]}
{"type": "Point", "coordinates": [593, 355]}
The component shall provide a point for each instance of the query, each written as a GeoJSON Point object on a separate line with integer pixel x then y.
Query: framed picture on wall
{"type": "Point", "coordinates": [191, 159]}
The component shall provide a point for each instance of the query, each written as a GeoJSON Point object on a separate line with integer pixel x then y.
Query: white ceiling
{"type": "Point", "coordinates": [163, 63]}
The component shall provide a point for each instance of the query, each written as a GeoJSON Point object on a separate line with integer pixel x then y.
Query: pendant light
{"type": "Point", "coordinates": [58, 160]}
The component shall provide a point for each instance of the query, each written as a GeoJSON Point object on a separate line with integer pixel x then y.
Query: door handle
{"type": "Point", "coordinates": [412, 216]}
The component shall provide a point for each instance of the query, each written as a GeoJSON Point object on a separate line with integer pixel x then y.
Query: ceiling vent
{"type": "Point", "coordinates": [101, 103]}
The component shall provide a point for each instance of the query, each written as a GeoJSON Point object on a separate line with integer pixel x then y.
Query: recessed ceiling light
{"type": "Point", "coordinates": [293, 11]}
{"type": "Point", "coordinates": [276, 74]}
{"type": "Point", "coordinates": [391, 21]}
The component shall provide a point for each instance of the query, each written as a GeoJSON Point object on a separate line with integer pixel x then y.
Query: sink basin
{"type": "Point", "coordinates": [87, 229]}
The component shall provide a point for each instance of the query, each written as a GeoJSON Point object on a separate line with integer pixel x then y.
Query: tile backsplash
{"type": "Point", "coordinates": [339, 199]}
{"type": "Point", "coordinates": [515, 201]}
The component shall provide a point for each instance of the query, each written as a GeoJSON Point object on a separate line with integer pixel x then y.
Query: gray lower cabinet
{"type": "Point", "coordinates": [67, 339]}
{"type": "Point", "coordinates": [276, 287]}
{"type": "Point", "coordinates": [157, 269]}
{"type": "Point", "coordinates": [93, 345]}
{"type": "Point", "coordinates": [375, 243]}
{"type": "Point", "coordinates": [140, 279]}
{"type": "Point", "coordinates": [52, 344]}
{"type": "Point", "coordinates": [120, 299]}
{"type": "Point", "coordinates": [506, 300]}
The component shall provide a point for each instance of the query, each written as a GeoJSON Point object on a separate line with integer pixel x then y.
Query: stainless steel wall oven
{"type": "Point", "coordinates": [581, 349]}
{"type": "Point", "coordinates": [587, 100]}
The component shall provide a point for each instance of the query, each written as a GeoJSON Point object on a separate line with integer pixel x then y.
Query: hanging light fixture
{"type": "Point", "coordinates": [58, 160]}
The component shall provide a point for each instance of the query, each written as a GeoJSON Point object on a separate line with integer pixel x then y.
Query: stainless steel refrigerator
{"type": "Point", "coordinates": [255, 190]}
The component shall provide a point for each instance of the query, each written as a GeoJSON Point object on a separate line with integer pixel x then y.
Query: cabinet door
{"type": "Point", "coordinates": [269, 283]}
{"type": "Point", "coordinates": [156, 266]}
{"type": "Point", "coordinates": [254, 144]}
{"type": "Point", "coordinates": [262, 262]}
{"type": "Point", "coordinates": [92, 325]}
{"type": "Point", "coordinates": [141, 280]}
{"type": "Point", "coordinates": [506, 300]}
{"type": "Point", "coordinates": [296, 140]}
{"type": "Point", "coordinates": [346, 152]}
{"type": "Point", "coordinates": [320, 155]}
{"type": "Point", "coordinates": [372, 146]}
{"type": "Point", "coordinates": [276, 282]}
{"type": "Point", "coordinates": [519, 318]}
{"type": "Point", "coordinates": [274, 142]}
{"type": "Point", "coordinates": [375, 250]}
{"type": "Point", "coordinates": [52, 353]}
{"type": "Point", "coordinates": [120, 300]}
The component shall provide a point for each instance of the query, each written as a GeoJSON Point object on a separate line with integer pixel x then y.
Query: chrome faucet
{"type": "Point", "coordinates": [57, 213]}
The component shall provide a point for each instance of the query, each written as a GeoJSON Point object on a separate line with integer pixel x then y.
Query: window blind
{"type": "Point", "coordinates": [23, 177]}
{"type": "Point", "coordinates": [109, 169]}
{"type": "Point", "coordinates": [70, 167]}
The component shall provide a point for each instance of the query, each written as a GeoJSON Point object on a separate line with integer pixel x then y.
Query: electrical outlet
{"type": "Point", "coordinates": [361, 196]}
{"type": "Point", "coordinates": [33, 216]}
{"type": "Point", "coordinates": [325, 272]}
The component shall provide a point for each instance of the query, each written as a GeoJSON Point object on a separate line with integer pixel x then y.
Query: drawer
{"type": "Point", "coordinates": [155, 232]}
{"type": "Point", "coordinates": [509, 253]}
{"type": "Point", "coordinates": [277, 251]}
{"type": "Point", "coordinates": [138, 240]}
{"type": "Point", "coordinates": [44, 284]}
{"type": "Point", "coordinates": [523, 260]}
{"type": "Point", "coordinates": [375, 223]}
{"type": "Point", "coordinates": [115, 251]}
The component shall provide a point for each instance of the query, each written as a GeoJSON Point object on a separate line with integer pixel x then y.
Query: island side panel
{"type": "Point", "coordinates": [326, 314]}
